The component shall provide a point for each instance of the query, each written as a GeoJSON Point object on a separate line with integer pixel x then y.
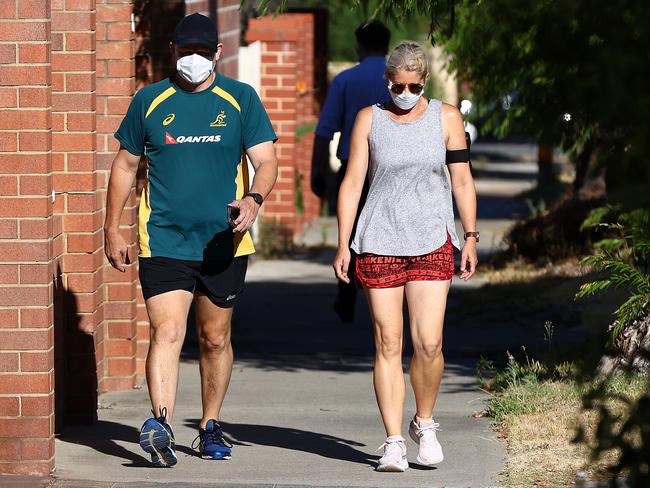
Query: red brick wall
{"type": "Point", "coordinates": [66, 79]}
{"type": "Point", "coordinates": [227, 14]}
{"type": "Point", "coordinates": [115, 87]}
{"type": "Point", "coordinates": [229, 35]}
{"type": "Point", "coordinates": [28, 248]}
{"type": "Point", "coordinates": [288, 96]}
{"type": "Point", "coordinates": [155, 23]}
{"type": "Point", "coordinates": [73, 157]}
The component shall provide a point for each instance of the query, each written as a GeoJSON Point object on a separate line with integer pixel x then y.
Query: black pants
{"type": "Point", "coordinates": [348, 291]}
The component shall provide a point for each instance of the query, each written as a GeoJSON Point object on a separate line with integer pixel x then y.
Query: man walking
{"type": "Point", "coordinates": [195, 212]}
{"type": "Point", "coordinates": [350, 91]}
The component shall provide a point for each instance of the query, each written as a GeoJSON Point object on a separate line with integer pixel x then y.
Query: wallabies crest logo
{"type": "Point", "coordinates": [220, 121]}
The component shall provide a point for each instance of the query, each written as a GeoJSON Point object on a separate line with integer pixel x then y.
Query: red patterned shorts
{"type": "Point", "coordinates": [374, 271]}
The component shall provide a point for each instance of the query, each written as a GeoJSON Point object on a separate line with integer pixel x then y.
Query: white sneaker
{"type": "Point", "coordinates": [394, 458]}
{"type": "Point", "coordinates": [423, 432]}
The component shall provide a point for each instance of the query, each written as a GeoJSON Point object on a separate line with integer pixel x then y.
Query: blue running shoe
{"type": "Point", "coordinates": [212, 445]}
{"type": "Point", "coordinates": [157, 438]}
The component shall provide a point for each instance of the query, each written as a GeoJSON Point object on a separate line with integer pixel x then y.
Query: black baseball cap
{"type": "Point", "coordinates": [196, 30]}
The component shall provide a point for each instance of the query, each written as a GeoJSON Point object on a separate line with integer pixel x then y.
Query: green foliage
{"type": "Point", "coordinates": [535, 210]}
{"type": "Point", "coordinates": [527, 385]}
{"type": "Point", "coordinates": [622, 403]}
{"type": "Point", "coordinates": [298, 200]}
{"type": "Point", "coordinates": [623, 255]}
{"type": "Point", "coordinates": [345, 17]}
{"type": "Point", "coordinates": [275, 241]}
{"type": "Point", "coordinates": [485, 370]}
{"type": "Point", "coordinates": [397, 12]}
{"type": "Point", "coordinates": [552, 234]}
{"type": "Point", "coordinates": [303, 130]}
{"type": "Point", "coordinates": [554, 58]}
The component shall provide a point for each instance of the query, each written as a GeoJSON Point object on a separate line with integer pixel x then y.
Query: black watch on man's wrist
{"type": "Point", "coordinates": [471, 234]}
{"type": "Point", "coordinates": [259, 199]}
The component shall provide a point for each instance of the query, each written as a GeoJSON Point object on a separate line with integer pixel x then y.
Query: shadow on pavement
{"type": "Point", "coordinates": [501, 174]}
{"type": "Point", "coordinates": [104, 437]}
{"type": "Point", "coordinates": [491, 207]}
{"type": "Point", "coordinates": [295, 439]}
{"type": "Point", "coordinates": [493, 156]}
{"type": "Point", "coordinates": [289, 326]}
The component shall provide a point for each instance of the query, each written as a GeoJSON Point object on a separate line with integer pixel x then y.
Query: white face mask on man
{"type": "Point", "coordinates": [195, 68]}
{"type": "Point", "coordinates": [405, 100]}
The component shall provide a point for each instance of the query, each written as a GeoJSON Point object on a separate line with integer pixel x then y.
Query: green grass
{"type": "Point", "coordinates": [538, 406]}
{"type": "Point", "coordinates": [530, 396]}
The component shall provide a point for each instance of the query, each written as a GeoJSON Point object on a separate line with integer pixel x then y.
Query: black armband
{"type": "Point", "coordinates": [458, 156]}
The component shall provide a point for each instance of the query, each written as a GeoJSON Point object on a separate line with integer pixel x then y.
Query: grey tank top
{"type": "Point", "coordinates": [408, 211]}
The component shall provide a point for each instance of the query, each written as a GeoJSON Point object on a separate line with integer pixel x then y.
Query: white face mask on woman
{"type": "Point", "coordinates": [405, 100]}
{"type": "Point", "coordinates": [194, 68]}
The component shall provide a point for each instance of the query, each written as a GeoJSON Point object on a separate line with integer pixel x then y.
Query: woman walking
{"type": "Point", "coordinates": [405, 238]}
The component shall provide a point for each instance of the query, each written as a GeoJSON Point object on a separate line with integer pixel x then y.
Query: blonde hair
{"type": "Point", "coordinates": [408, 56]}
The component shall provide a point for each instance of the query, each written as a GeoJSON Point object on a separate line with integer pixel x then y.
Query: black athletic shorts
{"type": "Point", "coordinates": [221, 281]}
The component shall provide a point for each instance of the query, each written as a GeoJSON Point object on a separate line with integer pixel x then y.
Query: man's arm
{"type": "Point", "coordinates": [123, 172]}
{"type": "Point", "coordinates": [319, 162]}
{"type": "Point", "coordinates": [265, 162]}
{"type": "Point", "coordinates": [330, 121]}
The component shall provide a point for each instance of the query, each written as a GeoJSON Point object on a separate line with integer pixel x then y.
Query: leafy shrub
{"type": "Point", "coordinates": [525, 385]}
{"type": "Point", "coordinates": [623, 254]}
{"type": "Point", "coordinates": [554, 233]}
{"type": "Point", "coordinates": [275, 240]}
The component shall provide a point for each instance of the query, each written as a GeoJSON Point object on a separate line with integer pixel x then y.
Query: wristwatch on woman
{"type": "Point", "coordinates": [471, 234]}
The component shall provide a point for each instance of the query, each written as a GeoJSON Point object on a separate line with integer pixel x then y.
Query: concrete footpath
{"type": "Point", "coordinates": [301, 409]}
{"type": "Point", "coordinates": [303, 414]}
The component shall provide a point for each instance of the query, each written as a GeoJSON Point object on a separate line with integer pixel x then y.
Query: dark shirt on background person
{"type": "Point", "coordinates": [351, 90]}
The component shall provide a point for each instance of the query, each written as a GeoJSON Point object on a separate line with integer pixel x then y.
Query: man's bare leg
{"type": "Point", "coordinates": [168, 318]}
{"type": "Point", "coordinates": [216, 356]}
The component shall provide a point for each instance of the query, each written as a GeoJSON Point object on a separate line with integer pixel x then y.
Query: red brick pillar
{"type": "Point", "coordinates": [229, 34]}
{"type": "Point", "coordinates": [306, 119]}
{"type": "Point", "coordinates": [27, 244]}
{"type": "Point", "coordinates": [287, 94]}
{"type": "Point", "coordinates": [115, 87]}
{"type": "Point", "coordinates": [227, 17]}
{"type": "Point", "coordinates": [78, 301]}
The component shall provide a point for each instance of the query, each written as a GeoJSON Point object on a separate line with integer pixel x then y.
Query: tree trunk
{"type": "Point", "coordinates": [634, 344]}
{"type": "Point", "coordinates": [582, 162]}
{"type": "Point", "coordinates": [545, 164]}
{"type": "Point", "coordinates": [590, 177]}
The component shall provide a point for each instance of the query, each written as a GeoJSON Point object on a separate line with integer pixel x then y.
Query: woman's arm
{"type": "Point", "coordinates": [350, 190]}
{"type": "Point", "coordinates": [463, 188]}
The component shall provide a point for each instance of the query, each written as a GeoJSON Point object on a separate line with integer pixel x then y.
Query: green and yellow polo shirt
{"type": "Point", "coordinates": [194, 144]}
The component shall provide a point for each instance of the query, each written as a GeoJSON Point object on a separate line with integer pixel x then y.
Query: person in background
{"type": "Point", "coordinates": [350, 91]}
{"type": "Point", "coordinates": [405, 239]}
{"type": "Point", "coordinates": [195, 213]}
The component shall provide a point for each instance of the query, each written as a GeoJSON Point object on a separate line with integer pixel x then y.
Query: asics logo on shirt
{"type": "Point", "coordinates": [169, 139]}
{"type": "Point", "coordinates": [169, 119]}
